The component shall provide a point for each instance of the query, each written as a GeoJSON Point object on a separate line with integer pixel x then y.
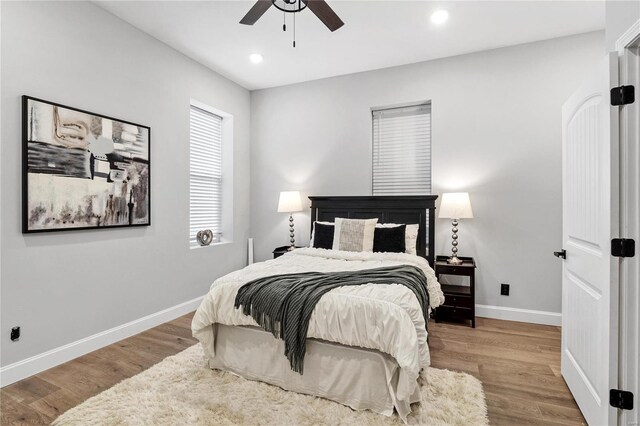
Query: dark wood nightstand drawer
{"type": "Point", "coordinates": [458, 301]}
{"type": "Point", "coordinates": [454, 270]}
{"type": "Point", "coordinates": [445, 312]}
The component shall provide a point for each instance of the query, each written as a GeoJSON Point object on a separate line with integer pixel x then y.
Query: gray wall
{"type": "Point", "coordinates": [620, 15]}
{"type": "Point", "coordinates": [66, 286]}
{"type": "Point", "coordinates": [496, 134]}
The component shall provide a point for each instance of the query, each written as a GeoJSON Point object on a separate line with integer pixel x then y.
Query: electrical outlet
{"type": "Point", "coordinates": [15, 334]}
{"type": "Point", "coordinates": [504, 289]}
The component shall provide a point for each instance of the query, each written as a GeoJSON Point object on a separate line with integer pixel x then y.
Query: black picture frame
{"type": "Point", "coordinates": [114, 160]}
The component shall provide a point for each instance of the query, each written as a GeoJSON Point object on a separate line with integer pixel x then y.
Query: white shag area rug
{"type": "Point", "coordinates": [181, 390]}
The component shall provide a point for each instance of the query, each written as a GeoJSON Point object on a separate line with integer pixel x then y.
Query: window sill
{"type": "Point", "coordinates": [221, 243]}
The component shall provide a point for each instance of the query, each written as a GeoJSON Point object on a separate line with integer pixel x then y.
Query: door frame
{"type": "Point", "coordinates": [629, 268]}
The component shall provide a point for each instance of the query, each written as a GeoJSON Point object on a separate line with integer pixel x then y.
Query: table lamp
{"type": "Point", "coordinates": [290, 202]}
{"type": "Point", "coordinates": [455, 206]}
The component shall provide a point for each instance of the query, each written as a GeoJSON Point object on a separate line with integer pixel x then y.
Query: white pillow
{"type": "Point", "coordinates": [354, 234]}
{"type": "Point", "coordinates": [410, 235]}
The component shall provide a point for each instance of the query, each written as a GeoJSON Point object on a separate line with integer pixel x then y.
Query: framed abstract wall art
{"type": "Point", "coordinates": [82, 170]}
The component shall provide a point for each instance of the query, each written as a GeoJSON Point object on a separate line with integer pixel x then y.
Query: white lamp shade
{"type": "Point", "coordinates": [289, 202]}
{"type": "Point", "coordinates": [455, 205]}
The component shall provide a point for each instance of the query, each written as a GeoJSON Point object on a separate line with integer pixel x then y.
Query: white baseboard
{"type": "Point", "coordinates": [516, 314]}
{"type": "Point", "coordinates": [35, 364]}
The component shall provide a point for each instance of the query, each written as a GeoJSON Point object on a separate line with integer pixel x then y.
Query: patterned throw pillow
{"type": "Point", "coordinates": [354, 234]}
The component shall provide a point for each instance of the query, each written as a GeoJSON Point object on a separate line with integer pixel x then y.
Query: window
{"type": "Point", "coordinates": [402, 150]}
{"type": "Point", "coordinates": [205, 177]}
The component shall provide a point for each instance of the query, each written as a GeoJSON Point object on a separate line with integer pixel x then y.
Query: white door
{"type": "Point", "coordinates": [590, 217]}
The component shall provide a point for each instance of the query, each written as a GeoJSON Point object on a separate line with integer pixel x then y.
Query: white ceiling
{"type": "Point", "coordinates": [376, 34]}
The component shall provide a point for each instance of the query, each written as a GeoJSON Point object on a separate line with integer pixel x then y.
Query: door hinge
{"type": "Point", "coordinates": [622, 95]}
{"type": "Point", "coordinates": [623, 247]}
{"type": "Point", "coordinates": [621, 399]}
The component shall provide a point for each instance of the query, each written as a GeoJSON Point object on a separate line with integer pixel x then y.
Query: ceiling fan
{"type": "Point", "coordinates": [320, 8]}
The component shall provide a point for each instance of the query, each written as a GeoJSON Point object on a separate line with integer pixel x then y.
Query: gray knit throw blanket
{"type": "Point", "coordinates": [282, 304]}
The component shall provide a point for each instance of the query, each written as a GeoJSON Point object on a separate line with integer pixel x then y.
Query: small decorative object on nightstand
{"type": "Point", "coordinates": [459, 300]}
{"type": "Point", "coordinates": [281, 250]}
{"type": "Point", "coordinates": [289, 203]}
{"type": "Point", "coordinates": [455, 205]}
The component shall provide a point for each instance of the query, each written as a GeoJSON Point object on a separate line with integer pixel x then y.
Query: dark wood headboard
{"type": "Point", "coordinates": [409, 209]}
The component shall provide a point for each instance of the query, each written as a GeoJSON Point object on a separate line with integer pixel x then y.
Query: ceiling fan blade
{"type": "Point", "coordinates": [328, 17]}
{"type": "Point", "coordinates": [256, 12]}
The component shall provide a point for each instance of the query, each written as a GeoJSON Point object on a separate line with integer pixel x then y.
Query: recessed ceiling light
{"type": "Point", "coordinates": [439, 16]}
{"type": "Point", "coordinates": [256, 58]}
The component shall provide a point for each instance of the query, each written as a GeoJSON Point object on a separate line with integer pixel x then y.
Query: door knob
{"type": "Point", "coordinates": [562, 254]}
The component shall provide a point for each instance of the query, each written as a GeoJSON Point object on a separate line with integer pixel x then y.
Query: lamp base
{"type": "Point", "coordinates": [291, 234]}
{"type": "Point", "coordinates": [453, 259]}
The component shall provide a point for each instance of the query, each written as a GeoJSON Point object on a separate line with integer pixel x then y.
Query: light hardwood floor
{"type": "Point", "coordinates": [518, 364]}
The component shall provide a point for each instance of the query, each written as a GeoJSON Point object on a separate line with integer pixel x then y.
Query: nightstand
{"type": "Point", "coordinates": [459, 300]}
{"type": "Point", "coordinates": [281, 250]}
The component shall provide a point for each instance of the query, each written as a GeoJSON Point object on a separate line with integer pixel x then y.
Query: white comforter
{"type": "Point", "coordinates": [387, 318]}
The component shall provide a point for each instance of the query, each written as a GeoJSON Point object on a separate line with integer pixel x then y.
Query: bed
{"type": "Point", "coordinates": [366, 343]}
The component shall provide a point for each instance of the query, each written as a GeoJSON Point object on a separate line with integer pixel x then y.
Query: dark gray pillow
{"type": "Point", "coordinates": [323, 235]}
{"type": "Point", "coordinates": [390, 240]}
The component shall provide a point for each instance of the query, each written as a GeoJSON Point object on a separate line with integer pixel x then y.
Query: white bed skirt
{"type": "Point", "coordinates": [362, 379]}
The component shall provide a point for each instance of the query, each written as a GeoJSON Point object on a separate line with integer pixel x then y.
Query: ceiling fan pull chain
{"type": "Point", "coordinates": [294, 30]}
{"type": "Point", "coordinates": [284, 21]}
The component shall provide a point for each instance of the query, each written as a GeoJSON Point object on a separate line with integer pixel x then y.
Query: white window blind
{"type": "Point", "coordinates": [205, 183]}
{"type": "Point", "coordinates": [402, 150]}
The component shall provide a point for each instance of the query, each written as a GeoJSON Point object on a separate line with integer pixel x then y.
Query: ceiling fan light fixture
{"type": "Point", "coordinates": [439, 16]}
{"type": "Point", "coordinates": [291, 6]}
{"type": "Point", "coordinates": [320, 8]}
{"type": "Point", "coordinates": [255, 58]}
